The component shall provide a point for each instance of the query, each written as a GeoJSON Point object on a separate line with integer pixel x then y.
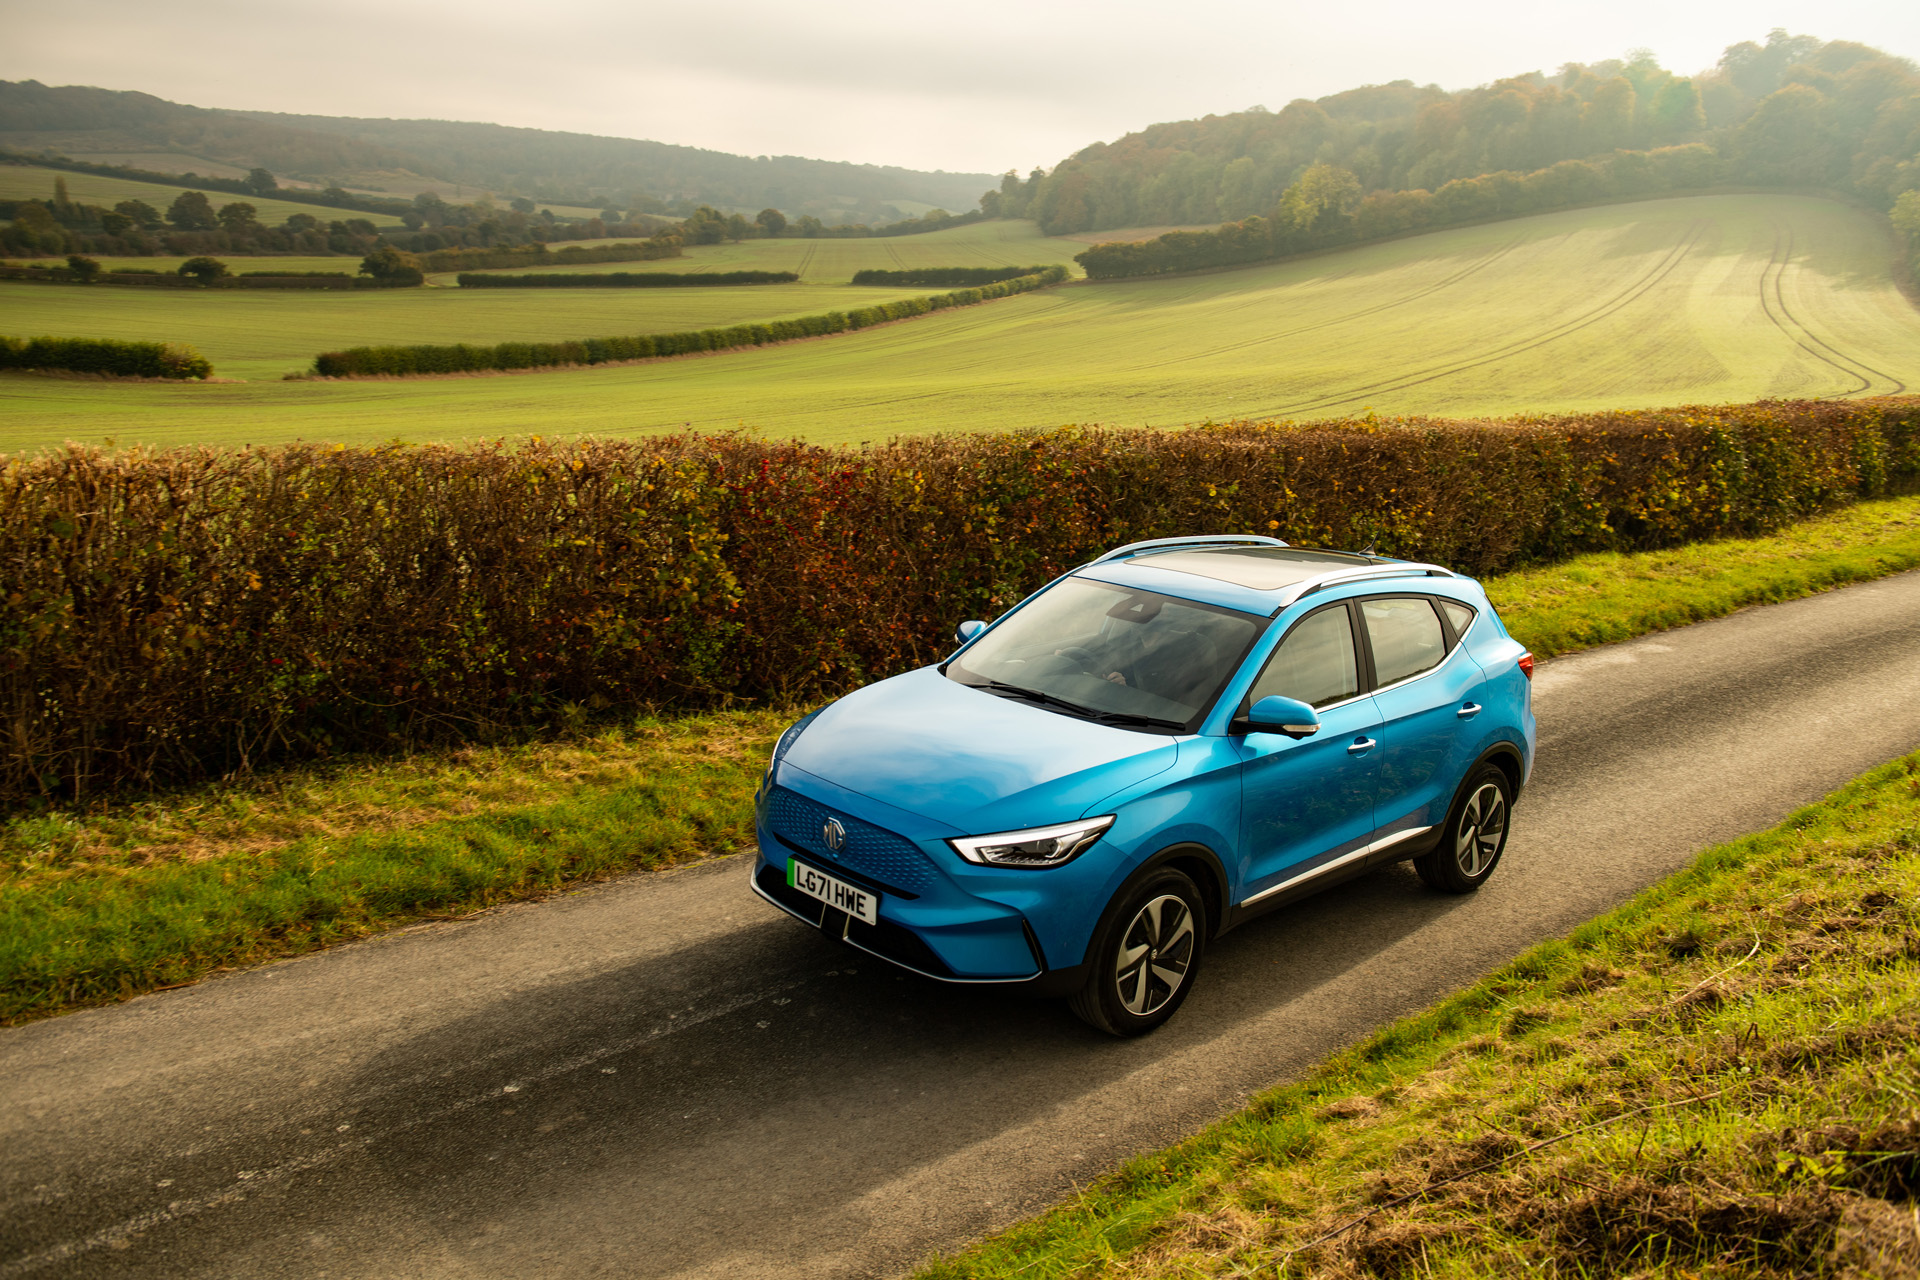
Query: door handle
{"type": "Point", "coordinates": [1360, 746]}
{"type": "Point", "coordinates": [1468, 710]}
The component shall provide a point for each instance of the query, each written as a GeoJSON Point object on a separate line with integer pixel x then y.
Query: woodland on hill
{"type": "Point", "coordinates": [1794, 111]}
{"type": "Point", "coordinates": [552, 168]}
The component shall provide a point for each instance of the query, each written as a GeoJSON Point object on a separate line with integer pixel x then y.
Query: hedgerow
{"type": "Point", "coordinates": [104, 356]}
{"type": "Point", "coordinates": [942, 277]}
{"type": "Point", "coordinates": [166, 615]}
{"type": "Point", "coordinates": [407, 361]}
{"type": "Point", "coordinates": [624, 279]}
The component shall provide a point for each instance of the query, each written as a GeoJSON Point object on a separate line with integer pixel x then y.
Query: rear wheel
{"type": "Point", "coordinates": [1475, 837]}
{"type": "Point", "coordinates": [1146, 955]}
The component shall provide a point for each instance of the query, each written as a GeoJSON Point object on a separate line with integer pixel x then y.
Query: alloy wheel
{"type": "Point", "coordinates": [1483, 827]}
{"type": "Point", "coordinates": [1155, 952]}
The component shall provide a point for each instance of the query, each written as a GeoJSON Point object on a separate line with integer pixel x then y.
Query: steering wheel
{"type": "Point", "coordinates": [1080, 657]}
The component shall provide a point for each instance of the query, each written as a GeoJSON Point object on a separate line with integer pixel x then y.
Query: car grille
{"type": "Point", "coordinates": [891, 860]}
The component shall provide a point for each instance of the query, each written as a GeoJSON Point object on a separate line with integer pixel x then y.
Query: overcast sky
{"type": "Point", "coordinates": [980, 86]}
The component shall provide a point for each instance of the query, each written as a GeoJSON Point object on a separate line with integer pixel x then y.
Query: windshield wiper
{"type": "Point", "coordinates": [1074, 708]}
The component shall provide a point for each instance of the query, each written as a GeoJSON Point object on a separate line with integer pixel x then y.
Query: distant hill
{"type": "Point", "coordinates": [1795, 111]}
{"type": "Point", "coordinates": [406, 156]}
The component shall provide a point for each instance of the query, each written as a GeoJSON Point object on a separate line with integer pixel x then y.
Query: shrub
{"type": "Point", "coordinates": [104, 356]}
{"type": "Point", "coordinates": [205, 270]}
{"type": "Point", "coordinates": [183, 613]}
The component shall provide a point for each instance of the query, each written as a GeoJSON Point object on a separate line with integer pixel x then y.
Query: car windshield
{"type": "Point", "coordinates": [1136, 659]}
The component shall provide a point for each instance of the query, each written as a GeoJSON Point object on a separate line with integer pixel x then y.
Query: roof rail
{"type": "Point", "coordinates": [1203, 540]}
{"type": "Point", "coordinates": [1302, 590]}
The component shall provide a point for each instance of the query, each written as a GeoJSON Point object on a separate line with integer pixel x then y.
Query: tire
{"type": "Point", "coordinates": [1475, 835]}
{"type": "Point", "coordinates": [1145, 957]}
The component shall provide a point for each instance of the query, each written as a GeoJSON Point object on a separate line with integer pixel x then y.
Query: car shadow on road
{"type": "Point", "coordinates": [741, 1101]}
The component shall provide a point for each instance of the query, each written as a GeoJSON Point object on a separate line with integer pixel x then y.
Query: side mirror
{"type": "Point", "coordinates": [968, 630]}
{"type": "Point", "coordinates": [1282, 715]}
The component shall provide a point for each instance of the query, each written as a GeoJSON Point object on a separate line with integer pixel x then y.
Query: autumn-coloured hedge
{"type": "Point", "coordinates": [412, 361]}
{"type": "Point", "coordinates": [173, 614]}
{"type": "Point", "coordinates": [109, 356]}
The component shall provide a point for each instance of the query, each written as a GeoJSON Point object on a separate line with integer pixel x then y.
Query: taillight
{"type": "Point", "coordinates": [1526, 665]}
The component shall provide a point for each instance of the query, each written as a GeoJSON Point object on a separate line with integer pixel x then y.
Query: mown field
{"type": "Point", "coordinates": [30, 182]}
{"type": "Point", "coordinates": [267, 334]}
{"type": "Point", "coordinates": [1704, 299]}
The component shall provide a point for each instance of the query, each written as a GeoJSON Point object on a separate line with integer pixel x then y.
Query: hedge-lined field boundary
{"type": "Point", "coordinates": [174, 280]}
{"type": "Point", "coordinates": [942, 277]}
{"type": "Point", "coordinates": [108, 356]}
{"type": "Point", "coordinates": [625, 279]}
{"type": "Point", "coordinates": [411, 361]}
{"type": "Point", "coordinates": [538, 255]}
{"type": "Point", "coordinates": [168, 615]}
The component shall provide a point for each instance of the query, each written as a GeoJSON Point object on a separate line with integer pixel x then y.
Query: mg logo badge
{"type": "Point", "coordinates": [834, 834]}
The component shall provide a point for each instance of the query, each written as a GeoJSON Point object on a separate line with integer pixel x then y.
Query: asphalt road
{"type": "Point", "coordinates": [666, 1077]}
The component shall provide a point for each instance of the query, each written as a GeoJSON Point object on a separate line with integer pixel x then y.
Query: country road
{"type": "Point", "coordinates": [666, 1077]}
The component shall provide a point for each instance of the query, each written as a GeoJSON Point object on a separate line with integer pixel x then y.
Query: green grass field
{"type": "Point", "coordinates": [238, 262]}
{"type": "Point", "coordinates": [1704, 299]}
{"type": "Point", "coordinates": [266, 334]}
{"type": "Point", "coordinates": [29, 182]}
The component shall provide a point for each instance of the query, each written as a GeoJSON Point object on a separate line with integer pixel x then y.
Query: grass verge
{"type": "Point", "coordinates": [1721, 1078]}
{"type": "Point", "coordinates": [102, 904]}
{"type": "Point", "coordinates": [98, 906]}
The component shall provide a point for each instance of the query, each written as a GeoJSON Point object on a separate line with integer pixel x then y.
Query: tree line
{"type": "Point", "coordinates": [1794, 111]}
{"type": "Point", "coordinates": [1325, 209]}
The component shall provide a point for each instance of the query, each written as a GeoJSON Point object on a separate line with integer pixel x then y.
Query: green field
{"type": "Point", "coordinates": [268, 333]}
{"type": "Point", "coordinates": [29, 182]}
{"type": "Point", "coordinates": [1704, 299]}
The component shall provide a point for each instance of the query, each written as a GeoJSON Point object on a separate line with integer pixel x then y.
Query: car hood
{"type": "Point", "coordinates": [971, 760]}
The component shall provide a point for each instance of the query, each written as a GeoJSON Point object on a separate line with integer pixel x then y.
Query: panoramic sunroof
{"type": "Point", "coordinates": [1261, 568]}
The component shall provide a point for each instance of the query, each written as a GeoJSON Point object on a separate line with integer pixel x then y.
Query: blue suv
{"type": "Point", "coordinates": [1146, 752]}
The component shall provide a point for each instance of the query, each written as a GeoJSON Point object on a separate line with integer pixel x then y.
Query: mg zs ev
{"type": "Point", "coordinates": [1145, 753]}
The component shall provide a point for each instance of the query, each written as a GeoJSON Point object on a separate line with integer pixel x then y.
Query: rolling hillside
{"type": "Point", "coordinates": [406, 156]}
{"type": "Point", "coordinates": [1702, 299]}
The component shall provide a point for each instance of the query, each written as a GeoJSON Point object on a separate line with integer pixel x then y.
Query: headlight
{"type": "Point", "coordinates": [791, 735]}
{"type": "Point", "coordinates": [1034, 847]}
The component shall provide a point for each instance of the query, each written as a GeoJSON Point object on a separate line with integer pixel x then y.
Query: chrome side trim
{"type": "Point", "coordinates": [960, 982]}
{"type": "Point", "coordinates": [755, 883]}
{"type": "Point", "coordinates": [1396, 838]}
{"type": "Point", "coordinates": [765, 896]}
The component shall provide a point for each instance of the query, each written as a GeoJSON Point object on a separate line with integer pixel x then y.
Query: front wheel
{"type": "Point", "coordinates": [1146, 955]}
{"type": "Point", "coordinates": [1476, 834]}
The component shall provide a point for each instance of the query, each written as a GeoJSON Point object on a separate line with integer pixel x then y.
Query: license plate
{"type": "Point", "coordinates": [857, 903]}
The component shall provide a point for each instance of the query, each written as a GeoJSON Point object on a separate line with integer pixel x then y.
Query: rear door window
{"type": "Point", "coordinates": [1315, 663]}
{"type": "Point", "coordinates": [1406, 637]}
{"type": "Point", "coordinates": [1459, 615]}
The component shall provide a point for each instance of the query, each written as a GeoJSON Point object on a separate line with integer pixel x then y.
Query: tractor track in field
{"type": "Point", "coordinates": [1477, 265]}
{"type": "Point", "coordinates": [806, 260]}
{"type": "Point", "coordinates": [1800, 334]}
{"type": "Point", "coordinates": [1611, 306]}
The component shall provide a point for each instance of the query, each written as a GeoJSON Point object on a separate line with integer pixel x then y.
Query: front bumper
{"type": "Point", "coordinates": [928, 922]}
